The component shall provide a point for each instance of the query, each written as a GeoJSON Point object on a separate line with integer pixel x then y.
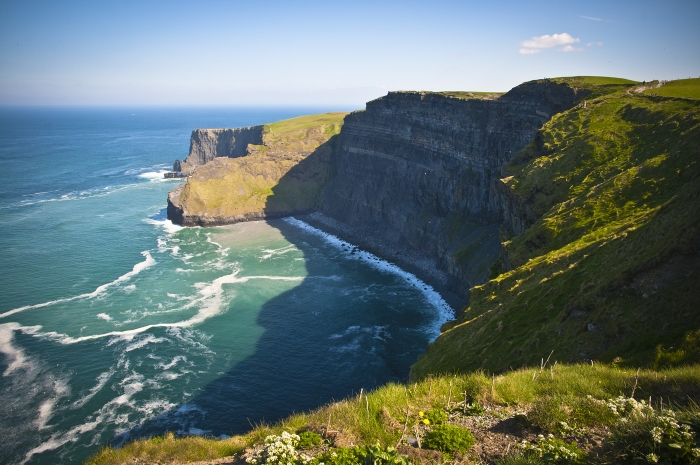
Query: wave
{"type": "Point", "coordinates": [444, 311]}
{"type": "Point", "coordinates": [167, 225]}
{"type": "Point", "coordinates": [210, 302]}
{"type": "Point", "coordinates": [16, 357]}
{"type": "Point", "coordinates": [158, 176]}
{"type": "Point", "coordinates": [71, 196]}
{"type": "Point", "coordinates": [269, 253]}
{"type": "Point", "coordinates": [139, 267]}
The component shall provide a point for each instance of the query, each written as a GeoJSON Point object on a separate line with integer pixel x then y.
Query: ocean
{"type": "Point", "coordinates": [116, 324]}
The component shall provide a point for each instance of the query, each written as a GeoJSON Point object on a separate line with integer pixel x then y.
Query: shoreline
{"type": "Point", "coordinates": [420, 265]}
{"type": "Point", "coordinates": [445, 312]}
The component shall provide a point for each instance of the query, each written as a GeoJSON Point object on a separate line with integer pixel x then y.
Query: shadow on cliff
{"type": "Point", "coordinates": [299, 189]}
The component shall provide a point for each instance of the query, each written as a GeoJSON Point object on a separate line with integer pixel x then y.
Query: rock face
{"type": "Point", "coordinates": [420, 171]}
{"type": "Point", "coordinates": [207, 144]}
{"type": "Point", "coordinates": [280, 176]}
{"type": "Point", "coordinates": [414, 178]}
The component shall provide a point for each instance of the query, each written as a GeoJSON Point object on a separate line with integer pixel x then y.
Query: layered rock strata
{"type": "Point", "coordinates": [420, 170]}
{"type": "Point", "coordinates": [208, 144]}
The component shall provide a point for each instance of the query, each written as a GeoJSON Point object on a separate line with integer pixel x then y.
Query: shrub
{"type": "Point", "coordinates": [475, 409]}
{"type": "Point", "coordinates": [309, 439]}
{"type": "Point", "coordinates": [339, 456]}
{"type": "Point", "coordinates": [377, 455]}
{"type": "Point", "coordinates": [449, 438]}
{"type": "Point", "coordinates": [433, 417]}
{"type": "Point", "coordinates": [550, 450]}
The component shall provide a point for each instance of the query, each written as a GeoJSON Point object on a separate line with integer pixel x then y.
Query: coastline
{"type": "Point", "coordinates": [419, 265]}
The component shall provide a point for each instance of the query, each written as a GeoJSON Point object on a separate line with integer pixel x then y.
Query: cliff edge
{"type": "Point", "coordinates": [278, 175]}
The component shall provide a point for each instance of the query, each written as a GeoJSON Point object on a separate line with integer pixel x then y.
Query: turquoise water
{"type": "Point", "coordinates": [116, 324]}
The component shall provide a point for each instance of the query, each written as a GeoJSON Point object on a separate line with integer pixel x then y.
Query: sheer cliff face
{"type": "Point", "coordinates": [420, 170]}
{"type": "Point", "coordinates": [207, 144]}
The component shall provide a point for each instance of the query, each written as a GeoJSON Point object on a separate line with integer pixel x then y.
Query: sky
{"type": "Point", "coordinates": [326, 52]}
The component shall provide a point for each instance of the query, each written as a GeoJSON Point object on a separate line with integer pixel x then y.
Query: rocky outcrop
{"type": "Point", "coordinates": [281, 176]}
{"type": "Point", "coordinates": [208, 144]}
{"type": "Point", "coordinates": [420, 171]}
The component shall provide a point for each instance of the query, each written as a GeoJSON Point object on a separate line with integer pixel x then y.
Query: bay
{"type": "Point", "coordinates": [116, 324]}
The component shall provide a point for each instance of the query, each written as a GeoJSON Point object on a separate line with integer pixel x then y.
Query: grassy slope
{"type": "Point", "coordinates": [687, 88]}
{"type": "Point", "coordinates": [596, 80]}
{"type": "Point", "coordinates": [617, 185]}
{"type": "Point", "coordinates": [234, 186]}
{"type": "Point", "coordinates": [549, 396]}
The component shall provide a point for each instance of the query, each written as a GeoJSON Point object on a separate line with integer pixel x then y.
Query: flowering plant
{"type": "Point", "coordinates": [551, 450]}
{"type": "Point", "coordinates": [279, 450]}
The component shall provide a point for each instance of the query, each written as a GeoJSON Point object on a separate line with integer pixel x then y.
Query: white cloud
{"type": "Point", "coordinates": [571, 48]}
{"type": "Point", "coordinates": [529, 51]}
{"type": "Point", "coordinates": [591, 18]}
{"type": "Point", "coordinates": [589, 44]}
{"type": "Point", "coordinates": [537, 44]}
{"type": "Point", "coordinates": [547, 41]}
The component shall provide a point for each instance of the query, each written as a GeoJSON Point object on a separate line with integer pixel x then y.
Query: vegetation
{"type": "Point", "coordinates": [606, 272]}
{"type": "Point", "coordinates": [596, 80]}
{"type": "Point", "coordinates": [449, 438]}
{"type": "Point", "coordinates": [283, 175]}
{"type": "Point", "coordinates": [552, 399]}
{"type": "Point", "coordinates": [685, 88]}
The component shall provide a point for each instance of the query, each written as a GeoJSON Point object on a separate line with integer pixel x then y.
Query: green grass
{"type": "Point", "coordinates": [284, 174]}
{"type": "Point", "coordinates": [617, 189]}
{"type": "Point", "coordinates": [686, 88]}
{"type": "Point", "coordinates": [551, 395]}
{"type": "Point", "coordinates": [334, 120]}
{"type": "Point", "coordinates": [597, 80]}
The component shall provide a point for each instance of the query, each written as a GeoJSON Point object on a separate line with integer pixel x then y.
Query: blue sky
{"type": "Point", "coordinates": [327, 53]}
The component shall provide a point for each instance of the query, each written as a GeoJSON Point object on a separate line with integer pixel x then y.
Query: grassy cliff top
{"type": "Point", "coordinates": [595, 80]}
{"type": "Point", "coordinates": [284, 174]}
{"type": "Point", "coordinates": [331, 122]}
{"type": "Point", "coordinates": [685, 88]}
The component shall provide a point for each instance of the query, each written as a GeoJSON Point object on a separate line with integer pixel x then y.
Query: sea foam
{"type": "Point", "coordinates": [138, 268]}
{"type": "Point", "coordinates": [444, 311]}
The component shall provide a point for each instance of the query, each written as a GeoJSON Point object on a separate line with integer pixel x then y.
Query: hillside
{"type": "Point", "coordinates": [608, 271]}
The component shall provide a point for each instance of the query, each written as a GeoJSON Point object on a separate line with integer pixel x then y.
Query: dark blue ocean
{"type": "Point", "coordinates": [116, 324]}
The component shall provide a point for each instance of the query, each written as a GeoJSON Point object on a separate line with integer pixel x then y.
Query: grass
{"type": "Point", "coordinates": [617, 189]}
{"type": "Point", "coordinates": [596, 80]}
{"type": "Point", "coordinates": [685, 88]}
{"type": "Point", "coordinates": [550, 395]}
{"type": "Point", "coordinates": [334, 120]}
{"type": "Point", "coordinates": [283, 175]}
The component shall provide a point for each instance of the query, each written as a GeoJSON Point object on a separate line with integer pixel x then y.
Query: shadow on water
{"type": "Point", "coordinates": [317, 345]}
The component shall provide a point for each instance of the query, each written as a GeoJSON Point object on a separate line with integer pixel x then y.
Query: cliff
{"type": "Point", "coordinates": [419, 170]}
{"type": "Point", "coordinates": [279, 175]}
{"type": "Point", "coordinates": [208, 144]}
{"type": "Point", "coordinates": [605, 205]}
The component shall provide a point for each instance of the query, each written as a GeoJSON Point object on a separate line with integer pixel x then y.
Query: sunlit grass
{"type": "Point", "coordinates": [549, 393]}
